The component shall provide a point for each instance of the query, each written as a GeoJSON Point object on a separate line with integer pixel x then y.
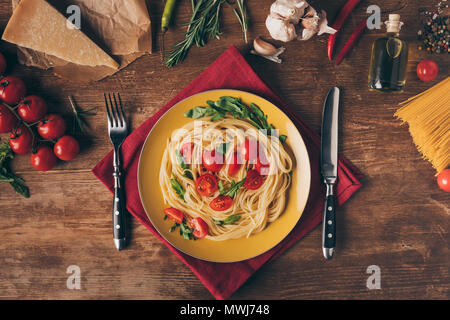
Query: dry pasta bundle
{"type": "Point", "coordinates": [428, 117]}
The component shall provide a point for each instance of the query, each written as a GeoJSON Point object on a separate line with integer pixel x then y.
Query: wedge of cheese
{"type": "Point", "coordinates": [35, 24]}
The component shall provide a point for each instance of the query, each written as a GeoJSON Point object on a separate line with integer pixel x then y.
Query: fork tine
{"type": "Point", "coordinates": [121, 108]}
{"type": "Point", "coordinates": [112, 111]}
{"type": "Point", "coordinates": [107, 111]}
{"type": "Point", "coordinates": [119, 114]}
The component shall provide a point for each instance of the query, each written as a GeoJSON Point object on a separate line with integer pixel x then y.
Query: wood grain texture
{"type": "Point", "coordinates": [398, 221]}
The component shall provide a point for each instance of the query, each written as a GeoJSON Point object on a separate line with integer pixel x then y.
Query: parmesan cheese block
{"type": "Point", "coordinates": [35, 24]}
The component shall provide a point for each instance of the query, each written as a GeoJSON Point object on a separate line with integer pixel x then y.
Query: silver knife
{"type": "Point", "coordinates": [328, 167]}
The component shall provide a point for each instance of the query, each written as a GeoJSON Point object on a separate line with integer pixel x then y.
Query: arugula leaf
{"type": "Point", "coordinates": [234, 188]}
{"type": "Point", "coordinates": [188, 174]}
{"type": "Point", "coordinates": [282, 138]}
{"type": "Point", "coordinates": [177, 187]}
{"type": "Point", "coordinates": [185, 230]}
{"type": "Point", "coordinates": [228, 220]}
{"type": "Point", "coordinates": [180, 160]}
{"type": "Point", "coordinates": [6, 174]}
{"type": "Point", "coordinates": [199, 112]}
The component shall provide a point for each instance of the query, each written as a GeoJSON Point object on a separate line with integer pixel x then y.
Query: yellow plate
{"type": "Point", "coordinates": [229, 250]}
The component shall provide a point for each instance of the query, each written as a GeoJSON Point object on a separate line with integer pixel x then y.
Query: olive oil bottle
{"type": "Point", "coordinates": [389, 59]}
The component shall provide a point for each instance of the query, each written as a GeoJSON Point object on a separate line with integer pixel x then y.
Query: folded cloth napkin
{"type": "Point", "coordinates": [223, 279]}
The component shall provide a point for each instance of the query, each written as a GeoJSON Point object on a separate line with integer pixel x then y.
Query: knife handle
{"type": "Point", "coordinates": [329, 224]}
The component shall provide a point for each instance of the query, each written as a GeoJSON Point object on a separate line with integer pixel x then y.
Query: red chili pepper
{"type": "Point", "coordinates": [339, 22]}
{"type": "Point", "coordinates": [351, 41]}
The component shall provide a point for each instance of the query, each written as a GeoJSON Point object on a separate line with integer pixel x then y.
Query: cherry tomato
{"type": "Point", "coordinates": [221, 203]}
{"type": "Point", "coordinates": [235, 165]}
{"type": "Point", "coordinates": [174, 214]}
{"type": "Point", "coordinates": [200, 227]}
{"type": "Point", "coordinates": [212, 160]}
{"type": "Point", "coordinates": [67, 148]}
{"type": "Point", "coordinates": [443, 180]}
{"type": "Point", "coordinates": [427, 70]}
{"type": "Point", "coordinates": [253, 180]}
{"type": "Point", "coordinates": [8, 120]}
{"type": "Point", "coordinates": [2, 64]}
{"type": "Point", "coordinates": [52, 127]}
{"type": "Point", "coordinates": [12, 89]}
{"type": "Point", "coordinates": [21, 140]}
{"type": "Point", "coordinates": [249, 149]}
{"type": "Point", "coordinates": [262, 165]}
{"type": "Point", "coordinates": [44, 159]}
{"type": "Point", "coordinates": [186, 151]}
{"type": "Point", "coordinates": [206, 185]}
{"type": "Point", "coordinates": [32, 109]}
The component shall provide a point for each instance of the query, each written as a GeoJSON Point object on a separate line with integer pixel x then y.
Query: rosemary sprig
{"type": "Point", "coordinates": [203, 25]}
{"type": "Point", "coordinates": [242, 18]}
{"type": "Point", "coordinates": [79, 116]}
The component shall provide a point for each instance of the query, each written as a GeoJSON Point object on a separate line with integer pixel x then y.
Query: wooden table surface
{"type": "Point", "coordinates": [398, 221]}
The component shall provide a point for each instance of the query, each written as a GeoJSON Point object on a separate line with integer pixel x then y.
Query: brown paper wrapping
{"type": "Point", "coordinates": [122, 28]}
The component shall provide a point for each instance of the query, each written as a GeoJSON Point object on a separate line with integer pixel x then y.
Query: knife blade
{"type": "Point", "coordinates": [328, 167]}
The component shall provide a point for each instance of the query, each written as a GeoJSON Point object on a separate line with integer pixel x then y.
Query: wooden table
{"type": "Point", "coordinates": [398, 221]}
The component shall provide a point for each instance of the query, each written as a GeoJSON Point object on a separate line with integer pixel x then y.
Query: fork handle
{"type": "Point", "coordinates": [119, 227]}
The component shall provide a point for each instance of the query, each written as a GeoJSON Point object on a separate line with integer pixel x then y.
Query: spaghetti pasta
{"type": "Point", "coordinates": [428, 116]}
{"type": "Point", "coordinates": [253, 210]}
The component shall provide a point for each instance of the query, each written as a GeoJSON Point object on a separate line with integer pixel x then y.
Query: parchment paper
{"type": "Point", "coordinates": [122, 28]}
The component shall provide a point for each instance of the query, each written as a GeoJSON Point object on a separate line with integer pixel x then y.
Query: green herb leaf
{"type": "Point", "coordinates": [177, 187]}
{"type": "Point", "coordinates": [282, 138]}
{"type": "Point", "coordinates": [188, 174]}
{"type": "Point", "coordinates": [234, 188]}
{"type": "Point", "coordinates": [199, 112]}
{"type": "Point", "coordinates": [180, 160]}
{"type": "Point", "coordinates": [228, 220]}
{"type": "Point", "coordinates": [6, 174]}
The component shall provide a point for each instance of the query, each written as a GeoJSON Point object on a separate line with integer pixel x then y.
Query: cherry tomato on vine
{"type": "Point", "coordinates": [12, 89]}
{"type": "Point", "coordinates": [206, 185]}
{"type": "Point", "coordinates": [212, 160]}
{"type": "Point", "coordinates": [66, 148]}
{"type": "Point", "coordinates": [427, 70]}
{"type": "Point", "coordinates": [2, 64]}
{"type": "Point", "coordinates": [221, 203]}
{"type": "Point", "coordinates": [443, 180]}
{"type": "Point", "coordinates": [21, 140]}
{"type": "Point", "coordinates": [44, 159]}
{"type": "Point", "coordinates": [200, 227]}
{"type": "Point", "coordinates": [32, 109]}
{"type": "Point", "coordinates": [174, 214]}
{"type": "Point", "coordinates": [8, 120]}
{"type": "Point", "coordinates": [253, 180]}
{"type": "Point", "coordinates": [52, 127]}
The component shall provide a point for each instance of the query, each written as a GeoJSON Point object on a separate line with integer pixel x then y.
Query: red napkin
{"type": "Point", "coordinates": [231, 71]}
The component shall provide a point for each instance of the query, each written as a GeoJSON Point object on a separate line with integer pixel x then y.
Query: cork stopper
{"type": "Point", "coordinates": [394, 24]}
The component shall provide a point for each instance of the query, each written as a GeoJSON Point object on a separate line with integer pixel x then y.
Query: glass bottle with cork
{"type": "Point", "coordinates": [389, 59]}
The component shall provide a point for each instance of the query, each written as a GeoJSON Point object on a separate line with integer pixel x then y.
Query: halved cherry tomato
{"type": "Point", "coordinates": [67, 148]}
{"type": "Point", "coordinates": [52, 126]}
{"type": "Point", "coordinates": [186, 151]}
{"type": "Point", "coordinates": [8, 120]}
{"type": "Point", "coordinates": [212, 160]}
{"type": "Point", "coordinates": [2, 64]}
{"type": "Point", "coordinates": [200, 227]}
{"type": "Point", "coordinates": [206, 184]}
{"type": "Point", "coordinates": [443, 180]}
{"type": "Point", "coordinates": [253, 180]}
{"type": "Point", "coordinates": [262, 165]}
{"type": "Point", "coordinates": [21, 140]}
{"type": "Point", "coordinates": [427, 70]}
{"type": "Point", "coordinates": [12, 89]}
{"type": "Point", "coordinates": [32, 108]}
{"type": "Point", "coordinates": [221, 203]}
{"type": "Point", "coordinates": [235, 165]}
{"type": "Point", "coordinates": [44, 159]}
{"type": "Point", "coordinates": [249, 149]}
{"type": "Point", "coordinates": [174, 214]}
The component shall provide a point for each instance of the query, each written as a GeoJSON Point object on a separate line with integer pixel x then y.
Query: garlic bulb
{"type": "Point", "coordinates": [285, 15]}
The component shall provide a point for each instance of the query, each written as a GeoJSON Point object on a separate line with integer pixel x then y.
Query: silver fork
{"type": "Point", "coordinates": [117, 129]}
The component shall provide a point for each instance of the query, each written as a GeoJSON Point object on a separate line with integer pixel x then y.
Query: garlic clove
{"type": "Point", "coordinates": [263, 47]}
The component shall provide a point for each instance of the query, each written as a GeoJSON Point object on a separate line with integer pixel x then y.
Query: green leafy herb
{"type": "Point", "coordinates": [236, 108]}
{"type": "Point", "coordinates": [188, 174]}
{"type": "Point", "coordinates": [6, 174]}
{"type": "Point", "coordinates": [180, 160]}
{"type": "Point", "coordinates": [79, 116]}
{"type": "Point", "coordinates": [228, 220]}
{"type": "Point", "coordinates": [185, 230]}
{"type": "Point", "coordinates": [177, 187]}
{"type": "Point", "coordinates": [233, 190]}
